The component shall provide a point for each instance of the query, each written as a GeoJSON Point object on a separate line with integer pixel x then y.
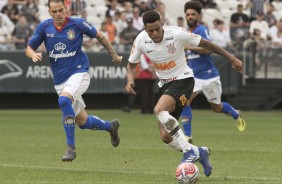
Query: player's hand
{"type": "Point", "coordinates": [117, 60]}
{"type": "Point", "coordinates": [36, 57]}
{"type": "Point", "coordinates": [129, 88]}
{"type": "Point", "coordinates": [237, 64]}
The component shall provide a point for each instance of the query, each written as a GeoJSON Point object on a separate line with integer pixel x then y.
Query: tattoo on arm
{"type": "Point", "coordinates": [106, 44]}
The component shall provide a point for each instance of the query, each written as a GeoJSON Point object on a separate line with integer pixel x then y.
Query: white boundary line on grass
{"type": "Point", "coordinates": [259, 179]}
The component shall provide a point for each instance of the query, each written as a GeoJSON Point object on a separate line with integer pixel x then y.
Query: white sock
{"type": "Point", "coordinates": [171, 124]}
{"type": "Point", "coordinates": [174, 145]}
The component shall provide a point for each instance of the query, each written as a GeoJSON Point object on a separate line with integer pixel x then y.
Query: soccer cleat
{"type": "Point", "coordinates": [204, 160]}
{"type": "Point", "coordinates": [240, 122]}
{"type": "Point", "coordinates": [114, 132]}
{"type": "Point", "coordinates": [190, 157]}
{"type": "Point", "coordinates": [70, 154]}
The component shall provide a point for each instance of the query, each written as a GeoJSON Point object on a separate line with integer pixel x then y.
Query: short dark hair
{"type": "Point", "coordinates": [57, 1]}
{"type": "Point", "coordinates": [195, 5]}
{"type": "Point", "coordinates": [151, 16]}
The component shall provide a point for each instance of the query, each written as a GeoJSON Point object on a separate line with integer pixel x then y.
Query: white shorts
{"type": "Point", "coordinates": [211, 88]}
{"type": "Point", "coordinates": [76, 85]}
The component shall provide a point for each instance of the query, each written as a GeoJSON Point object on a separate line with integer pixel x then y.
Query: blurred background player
{"type": "Point", "coordinates": [207, 79]}
{"type": "Point", "coordinates": [63, 38]}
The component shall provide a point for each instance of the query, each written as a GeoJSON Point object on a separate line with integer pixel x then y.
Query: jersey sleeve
{"type": "Point", "coordinates": [87, 28]}
{"type": "Point", "coordinates": [136, 51]}
{"type": "Point", "coordinates": [189, 38]}
{"type": "Point", "coordinates": [38, 37]}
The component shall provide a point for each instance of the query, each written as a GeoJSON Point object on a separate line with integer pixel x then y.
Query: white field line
{"type": "Point", "coordinates": [229, 178]}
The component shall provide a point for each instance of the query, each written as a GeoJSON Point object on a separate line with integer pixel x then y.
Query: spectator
{"type": "Point", "coordinates": [21, 33]}
{"type": "Point", "coordinates": [12, 11]}
{"type": "Point", "coordinates": [137, 19]}
{"type": "Point", "coordinates": [277, 4]}
{"type": "Point", "coordinates": [219, 35]}
{"type": "Point", "coordinates": [6, 28]}
{"type": "Point", "coordinates": [77, 6]}
{"type": "Point", "coordinates": [112, 8]}
{"type": "Point", "coordinates": [128, 35]}
{"type": "Point", "coordinates": [164, 15]}
{"type": "Point", "coordinates": [111, 30]}
{"type": "Point", "coordinates": [180, 22]}
{"type": "Point", "coordinates": [143, 7]}
{"type": "Point", "coordinates": [269, 16]}
{"type": "Point", "coordinates": [30, 11]}
{"type": "Point", "coordinates": [144, 85]}
{"type": "Point", "coordinates": [259, 24]}
{"type": "Point", "coordinates": [119, 21]}
{"type": "Point", "coordinates": [239, 26]}
{"type": "Point", "coordinates": [256, 6]}
{"type": "Point", "coordinates": [2, 3]}
{"type": "Point", "coordinates": [128, 9]}
{"type": "Point", "coordinates": [153, 4]}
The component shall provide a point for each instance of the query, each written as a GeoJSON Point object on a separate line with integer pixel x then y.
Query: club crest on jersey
{"type": "Point", "coordinates": [71, 34]}
{"type": "Point", "coordinates": [171, 48]}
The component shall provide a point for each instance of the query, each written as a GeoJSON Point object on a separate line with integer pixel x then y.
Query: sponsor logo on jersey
{"type": "Point", "coordinates": [169, 38]}
{"type": "Point", "coordinates": [148, 41]}
{"type": "Point", "coordinates": [61, 47]}
{"type": "Point", "coordinates": [165, 65]}
{"type": "Point", "coordinates": [50, 35]}
{"type": "Point", "coordinates": [86, 24]}
{"type": "Point", "coordinates": [171, 48]}
{"type": "Point", "coordinates": [71, 34]}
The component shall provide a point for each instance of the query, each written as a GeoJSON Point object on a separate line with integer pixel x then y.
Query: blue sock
{"type": "Point", "coordinates": [68, 118]}
{"type": "Point", "coordinates": [229, 110]}
{"type": "Point", "coordinates": [187, 120]}
{"type": "Point", "coordinates": [95, 123]}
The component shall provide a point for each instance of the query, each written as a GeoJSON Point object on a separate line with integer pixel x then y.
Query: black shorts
{"type": "Point", "coordinates": [181, 90]}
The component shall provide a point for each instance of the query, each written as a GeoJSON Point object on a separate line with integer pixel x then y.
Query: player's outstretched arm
{"type": "Point", "coordinates": [131, 68]}
{"type": "Point", "coordinates": [107, 45]}
{"type": "Point", "coordinates": [236, 63]}
{"type": "Point", "coordinates": [35, 56]}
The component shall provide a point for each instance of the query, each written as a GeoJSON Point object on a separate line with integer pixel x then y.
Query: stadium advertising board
{"type": "Point", "coordinates": [18, 74]}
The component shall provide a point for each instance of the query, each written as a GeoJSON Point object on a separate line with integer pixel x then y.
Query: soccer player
{"type": "Point", "coordinates": [164, 45]}
{"type": "Point", "coordinates": [207, 79]}
{"type": "Point", "coordinates": [63, 37]}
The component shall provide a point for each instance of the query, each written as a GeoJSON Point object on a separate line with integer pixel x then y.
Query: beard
{"type": "Point", "coordinates": [192, 23]}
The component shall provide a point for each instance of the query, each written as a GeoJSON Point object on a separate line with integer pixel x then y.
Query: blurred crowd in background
{"type": "Point", "coordinates": [230, 22]}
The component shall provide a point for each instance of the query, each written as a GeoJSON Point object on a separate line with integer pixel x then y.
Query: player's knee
{"type": "Point", "coordinates": [80, 121]}
{"type": "Point", "coordinates": [64, 101]}
{"type": "Point", "coordinates": [216, 108]}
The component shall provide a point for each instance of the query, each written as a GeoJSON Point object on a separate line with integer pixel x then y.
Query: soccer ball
{"type": "Point", "coordinates": [187, 173]}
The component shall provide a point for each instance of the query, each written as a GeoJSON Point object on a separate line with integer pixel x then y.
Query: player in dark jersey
{"type": "Point", "coordinates": [206, 75]}
{"type": "Point", "coordinates": [63, 38]}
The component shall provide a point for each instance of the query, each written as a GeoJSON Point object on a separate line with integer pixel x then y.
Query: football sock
{"type": "Point", "coordinates": [187, 120]}
{"type": "Point", "coordinates": [172, 127]}
{"type": "Point", "coordinates": [68, 118]}
{"type": "Point", "coordinates": [174, 144]}
{"type": "Point", "coordinates": [229, 110]}
{"type": "Point", "coordinates": [95, 123]}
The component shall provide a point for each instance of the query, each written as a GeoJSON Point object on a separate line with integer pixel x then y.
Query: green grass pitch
{"type": "Point", "coordinates": [33, 141]}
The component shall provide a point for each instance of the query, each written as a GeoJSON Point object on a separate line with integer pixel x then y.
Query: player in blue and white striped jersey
{"type": "Point", "coordinates": [63, 38]}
